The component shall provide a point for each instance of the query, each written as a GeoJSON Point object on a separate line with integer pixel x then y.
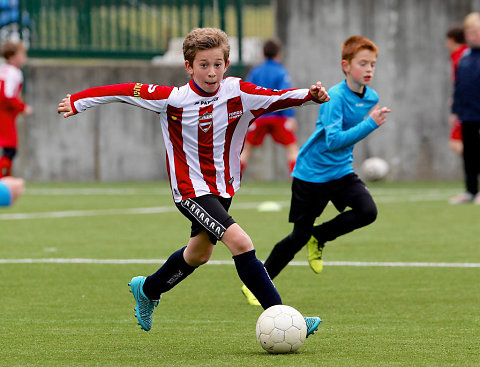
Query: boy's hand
{"type": "Point", "coordinates": [28, 110]}
{"type": "Point", "coordinates": [452, 120]}
{"type": "Point", "coordinates": [65, 107]}
{"type": "Point", "coordinates": [379, 115]}
{"type": "Point", "coordinates": [318, 92]}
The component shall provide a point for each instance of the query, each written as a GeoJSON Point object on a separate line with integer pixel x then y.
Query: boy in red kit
{"type": "Point", "coordinates": [11, 81]}
{"type": "Point", "coordinates": [204, 125]}
{"type": "Point", "coordinates": [280, 125]}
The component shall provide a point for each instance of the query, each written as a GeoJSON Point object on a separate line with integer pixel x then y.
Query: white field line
{"type": "Point", "coordinates": [105, 212]}
{"type": "Point", "coordinates": [126, 191]}
{"type": "Point", "coordinates": [394, 196]}
{"type": "Point", "coordinates": [87, 213]}
{"type": "Point", "coordinates": [229, 262]}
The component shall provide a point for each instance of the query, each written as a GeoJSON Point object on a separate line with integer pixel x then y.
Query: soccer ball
{"type": "Point", "coordinates": [281, 329]}
{"type": "Point", "coordinates": [374, 169]}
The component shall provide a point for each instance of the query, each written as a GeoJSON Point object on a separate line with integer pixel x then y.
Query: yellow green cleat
{"type": "Point", "coordinates": [315, 251]}
{"type": "Point", "coordinates": [251, 299]}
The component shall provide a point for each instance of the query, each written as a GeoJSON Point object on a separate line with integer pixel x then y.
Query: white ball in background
{"type": "Point", "coordinates": [374, 169]}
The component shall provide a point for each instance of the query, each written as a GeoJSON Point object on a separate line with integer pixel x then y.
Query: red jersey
{"type": "Point", "coordinates": [203, 132]}
{"type": "Point", "coordinates": [11, 81]}
{"type": "Point", "coordinates": [455, 57]}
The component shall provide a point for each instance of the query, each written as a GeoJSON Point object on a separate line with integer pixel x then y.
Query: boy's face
{"type": "Point", "coordinates": [208, 69]}
{"type": "Point", "coordinates": [19, 58]}
{"type": "Point", "coordinates": [472, 35]}
{"type": "Point", "coordinates": [361, 68]}
{"type": "Point", "coordinates": [450, 44]}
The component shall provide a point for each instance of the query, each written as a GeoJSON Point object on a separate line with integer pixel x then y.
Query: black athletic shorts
{"type": "Point", "coordinates": [309, 199]}
{"type": "Point", "coordinates": [207, 213]}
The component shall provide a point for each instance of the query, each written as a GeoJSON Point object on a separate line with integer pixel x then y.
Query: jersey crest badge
{"type": "Point", "coordinates": [205, 121]}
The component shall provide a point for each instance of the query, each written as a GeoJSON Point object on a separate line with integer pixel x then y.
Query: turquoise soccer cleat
{"type": "Point", "coordinates": [312, 324]}
{"type": "Point", "coordinates": [143, 305]}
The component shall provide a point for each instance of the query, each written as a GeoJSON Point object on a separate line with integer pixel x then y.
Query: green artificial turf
{"type": "Point", "coordinates": [81, 314]}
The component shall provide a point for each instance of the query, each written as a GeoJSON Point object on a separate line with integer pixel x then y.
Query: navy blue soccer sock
{"type": "Point", "coordinates": [168, 276]}
{"type": "Point", "coordinates": [253, 274]}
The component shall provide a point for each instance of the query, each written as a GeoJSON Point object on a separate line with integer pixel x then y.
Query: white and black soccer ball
{"type": "Point", "coordinates": [281, 329]}
{"type": "Point", "coordinates": [374, 169]}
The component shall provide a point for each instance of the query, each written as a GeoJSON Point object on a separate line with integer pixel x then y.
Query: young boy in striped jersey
{"type": "Point", "coordinates": [11, 82]}
{"type": "Point", "coordinates": [204, 124]}
{"type": "Point", "coordinates": [324, 171]}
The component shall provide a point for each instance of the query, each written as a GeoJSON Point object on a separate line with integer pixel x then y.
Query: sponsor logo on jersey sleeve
{"type": "Point", "coordinates": [136, 90]}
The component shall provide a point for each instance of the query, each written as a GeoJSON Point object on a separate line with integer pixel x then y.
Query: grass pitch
{"type": "Point", "coordinates": [400, 292]}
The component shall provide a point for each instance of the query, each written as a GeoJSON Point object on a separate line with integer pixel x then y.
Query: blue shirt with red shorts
{"type": "Point", "coordinates": [273, 75]}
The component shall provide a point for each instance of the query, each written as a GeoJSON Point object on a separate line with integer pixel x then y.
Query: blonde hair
{"type": "Point", "coordinates": [472, 20]}
{"type": "Point", "coordinates": [352, 45]}
{"type": "Point", "coordinates": [10, 48]}
{"type": "Point", "coordinates": [204, 39]}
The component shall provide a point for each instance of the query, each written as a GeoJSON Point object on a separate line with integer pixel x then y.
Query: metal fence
{"type": "Point", "coordinates": [136, 29]}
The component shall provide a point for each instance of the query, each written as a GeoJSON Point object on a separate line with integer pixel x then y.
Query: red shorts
{"type": "Point", "coordinates": [456, 132]}
{"type": "Point", "coordinates": [277, 126]}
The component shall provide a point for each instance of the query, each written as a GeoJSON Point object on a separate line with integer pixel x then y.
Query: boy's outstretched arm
{"type": "Point", "coordinates": [65, 107]}
{"type": "Point", "coordinates": [318, 92]}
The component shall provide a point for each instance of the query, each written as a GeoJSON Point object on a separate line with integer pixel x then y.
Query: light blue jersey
{"type": "Point", "coordinates": [5, 195]}
{"type": "Point", "coordinates": [328, 153]}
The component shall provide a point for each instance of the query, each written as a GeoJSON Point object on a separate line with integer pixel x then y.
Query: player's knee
{"type": "Point", "coordinates": [368, 215]}
{"type": "Point", "coordinates": [197, 258]}
{"type": "Point", "coordinates": [240, 243]}
{"type": "Point", "coordinates": [201, 258]}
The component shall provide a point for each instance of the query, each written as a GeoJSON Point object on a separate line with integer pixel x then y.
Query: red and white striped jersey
{"type": "Point", "coordinates": [203, 132]}
{"type": "Point", "coordinates": [11, 81]}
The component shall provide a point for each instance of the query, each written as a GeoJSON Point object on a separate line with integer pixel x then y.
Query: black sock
{"type": "Point", "coordinates": [253, 274]}
{"type": "Point", "coordinates": [284, 252]}
{"type": "Point", "coordinates": [168, 276]}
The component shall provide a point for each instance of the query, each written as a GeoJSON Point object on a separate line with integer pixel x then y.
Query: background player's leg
{"type": "Point", "coordinates": [291, 151]}
{"type": "Point", "coordinates": [471, 148]}
{"type": "Point", "coordinates": [5, 166]}
{"type": "Point", "coordinates": [6, 161]}
{"type": "Point", "coordinates": [363, 212]}
{"type": "Point", "coordinates": [285, 250]}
